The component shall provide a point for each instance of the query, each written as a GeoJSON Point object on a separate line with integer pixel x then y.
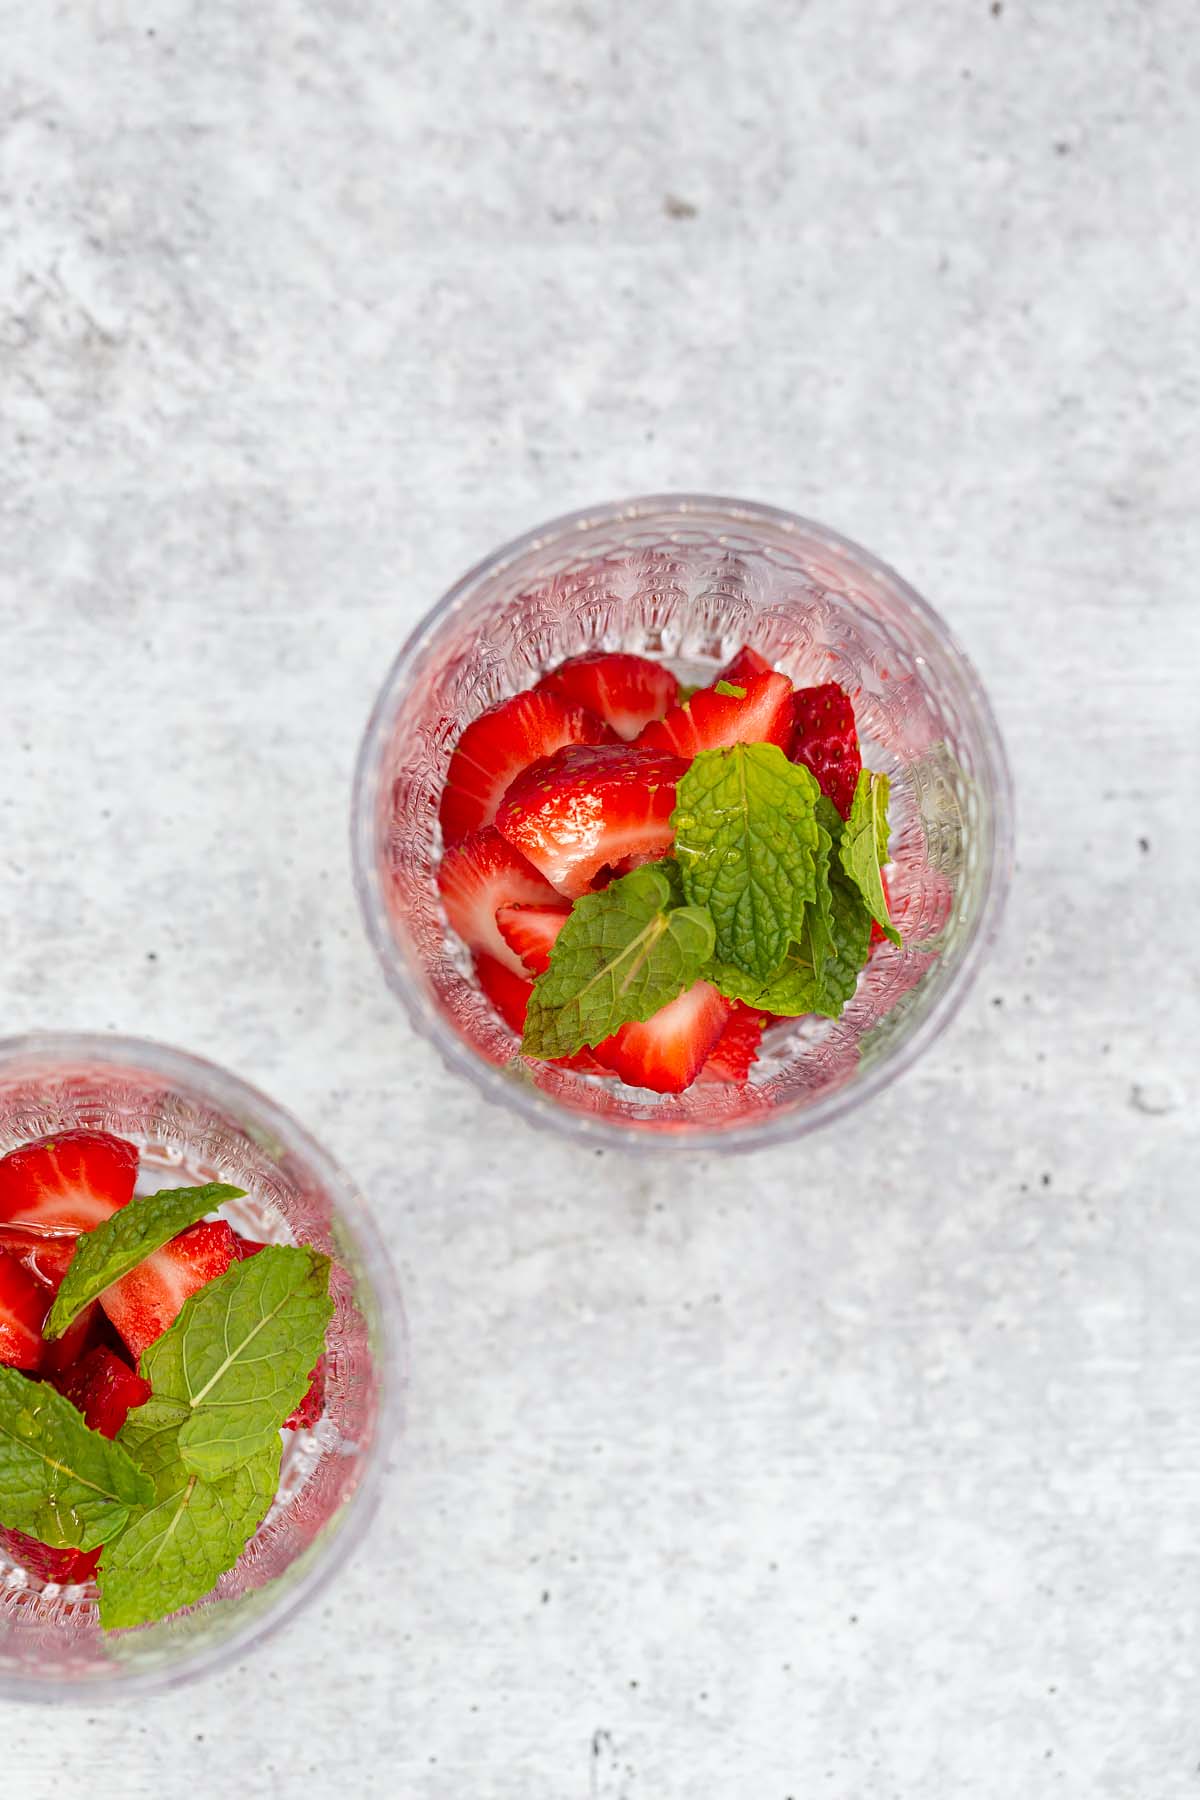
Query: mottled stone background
{"type": "Point", "coordinates": [868, 1470]}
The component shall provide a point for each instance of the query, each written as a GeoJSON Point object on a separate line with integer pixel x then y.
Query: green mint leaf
{"type": "Point", "coordinates": [59, 1481]}
{"type": "Point", "coordinates": [126, 1239]}
{"type": "Point", "coordinates": [864, 847]}
{"type": "Point", "coordinates": [746, 841]}
{"type": "Point", "coordinates": [622, 954]}
{"type": "Point", "coordinates": [730, 688]}
{"type": "Point", "coordinates": [237, 1360]}
{"type": "Point", "coordinates": [188, 1534]}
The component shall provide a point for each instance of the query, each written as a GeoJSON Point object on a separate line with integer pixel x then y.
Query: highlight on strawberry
{"type": "Point", "coordinates": [150, 1357]}
{"type": "Point", "coordinates": [649, 877]}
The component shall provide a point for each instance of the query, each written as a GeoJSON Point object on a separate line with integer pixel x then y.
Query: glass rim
{"type": "Point", "coordinates": [117, 1050]}
{"type": "Point", "coordinates": [492, 1081]}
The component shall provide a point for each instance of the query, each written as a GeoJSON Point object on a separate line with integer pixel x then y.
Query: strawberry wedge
{"type": "Point", "coordinates": [712, 721]}
{"type": "Point", "coordinates": [736, 1050]}
{"type": "Point", "coordinates": [105, 1390]}
{"type": "Point", "coordinates": [66, 1567]}
{"type": "Point", "coordinates": [509, 994]}
{"type": "Point", "coordinates": [625, 691]}
{"type": "Point", "coordinates": [24, 1303]}
{"type": "Point", "coordinates": [68, 1182]}
{"type": "Point", "coordinates": [479, 875]}
{"type": "Point", "coordinates": [745, 664]}
{"type": "Point", "coordinates": [584, 808]}
{"type": "Point", "coordinates": [825, 740]}
{"type": "Point", "coordinates": [143, 1303]}
{"type": "Point", "coordinates": [531, 932]}
{"type": "Point", "coordinates": [667, 1051]}
{"type": "Point", "coordinates": [494, 749]}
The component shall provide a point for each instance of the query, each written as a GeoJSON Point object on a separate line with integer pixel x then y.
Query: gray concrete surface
{"type": "Point", "coordinates": [865, 1469]}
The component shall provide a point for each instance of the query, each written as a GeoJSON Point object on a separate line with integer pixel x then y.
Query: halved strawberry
{"type": "Point", "coordinates": [479, 875]}
{"type": "Point", "coordinates": [66, 1567]}
{"type": "Point", "coordinates": [494, 749]}
{"type": "Point", "coordinates": [531, 931]}
{"type": "Point", "coordinates": [244, 1248]}
{"type": "Point", "coordinates": [143, 1303]}
{"type": "Point", "coordinates": [24, 1303]}
{"type": "Point", "coordinates": [746, 663]}
{"type": "Point", "coordinates": [625, 691]}
{"type": "Point", "coordinates": [509, 994]}
{"type": "Point", "coordinates": [588, 806]}
{"type": "Point", "coordinates": [47, 1259]}
{"type": "Point", "coordinates": [310, 1408]}
{"type": "Point", "coordinates": [105, 1390]}
{"type": "Point", "coordinates": [711, 721]}
{"type": "Point", "coordinates": [669, 1049]}
{"type": "Point", "coordinates": [736, 1050]}
{"type": "Point", "coordinates": [67, 1182]}
{"type": "Point", "coordinates": [825, 740]}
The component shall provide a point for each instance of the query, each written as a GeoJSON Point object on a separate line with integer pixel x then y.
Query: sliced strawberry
{"type": "Point", "coordinates": [479, 875]}
{"type": "Point", "coordinates": [48, 1259]}
{"type": "Point", "coordinates": [105, 1390]}
{"type": "Point", "coordinates": [143, 1303]}
{"type": "Point", "coordinates": [531, 931]}
{"type": "Point", "coordinates": [711, 721]}
{"type": "Point", "coordinates": [307, 1413]}
{"type": "Point", "coordinates": [668, 1051]}
{"type": "Point", "coordinates": [509, 994]}
{"type": "Point", "coordinates": [736, 1050]}
{"type": "Point", "coordinates": [66, 1567]}
{"type": "Point", "coordinates": [825, 740]}
{"type": "Point", "coordinates": [625, 691]}
{"type": "Point", "coordinates": [878, 936]}
{"type": "Point", "coordinates": [24, 1303]}
{"type": "Point", "coordinates": [585, 807]}
{"type": "Point", "coordinates": [494, 749]}
{"type": "Point", "coordinates": [745, 664]}
{"type": "Point", "coordinates": [68, 1182]}
{"type": "Point", "coordinates": [62, 1353]}
{"type": "Point", "coordinates": [244, 1248]}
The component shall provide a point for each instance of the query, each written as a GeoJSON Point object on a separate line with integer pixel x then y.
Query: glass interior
{"type": "Point", "coordinates": [193, 1123]}
{"type": "Point", "coordinates": [687, 580]}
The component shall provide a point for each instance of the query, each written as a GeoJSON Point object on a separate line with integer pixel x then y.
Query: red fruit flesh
{"type": "Point", "coordinates": [712, 721]}
{"type": "Point", "coordinates": [736, 1050]}
{"type": "Point", "coordinates": [68, 1182]}
{"type": "Point", "coordinates": [745, 664]}
{"type": "Point", "coordinates": [667, 1052]}
{"type": "Point", "coordinates": [307, 1413]}
{"type": "Point", "coordinates": [66, 1567]}
{"type": "Point", "coordinates": [143, 1303]}
{"type": "Point", "coordinates": [878, 935]}
{"type": "Point", "coordinates": [478, 876]}
{"type": "Point", "coordinates": [24, 1303]}
{"type": "Point", "coordinates": [585, 807]}
{"type": "Point", "coordinates": [825, 740]}
{"type": "Point", "coordinates": [245, 1248]}
{"type": "Point", "coordinates": [509, 994]}
{"type": "Point", "coordinates": [494, 749]}
{"type": "Point", "coordinates": [62, 1353]}
{"type": "Point", "coordinates": [625, 691]}
{"type": "Point", "coordinates": [105, 1390]}
{"type": "Point", "coordinates": [531, 932]}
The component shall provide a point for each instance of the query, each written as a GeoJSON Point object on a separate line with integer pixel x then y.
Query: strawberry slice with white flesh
{"type": "Point", "coordinates": [667, 1051]}
{"type": "Point", "coordinates": [625, 691]}
{"type": "Point", "coordinates": [531, 931]}
{"type": "Point", "coordinates": [479, 875]}
{"type": "Point", "coordinates": [712, 721]}
{"type": "Point", "coordinates": [143, 1303]}
{"type": "Point", "coordinates": [495, 747]}
{"type": "Point", "coordinates": [66, 1183]}
{"type": "Point", "coordinates": [586, 807]}
{"type": "Point", "coordinates": [24, 1303]}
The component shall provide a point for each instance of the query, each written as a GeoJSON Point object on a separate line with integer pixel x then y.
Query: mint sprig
{"type": "Point", "coordinates": [61, 1482]}
{"type": "Point", "coordinates": [864, 847]}
{"type": "Point", "coordinates": [238, 1358]}
{"type": "Point", "coordinates": [122, 1241]}
{"type": "Point", "coordinates": [622, 954]}
{"type": "Point", "coordinates": [746, 840]}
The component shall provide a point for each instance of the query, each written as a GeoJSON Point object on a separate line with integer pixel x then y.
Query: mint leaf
{"type": "Point", "coordinates": [188, 1534]}
{"type": "Point", "coordinates": [746, 841]}
{"type": "Point", "coordinates": [622, 954]}
{"type": "Point", "coordinates": [864, 847]}
{"type": "Point", "coordinates": [59, 1481]}
{"type": "Point", "coordinates": [124, 1240]}
{"type": "Point", "coordinates": [730, 688]}
{"type": "Point", "coordinates": [238, 1358]}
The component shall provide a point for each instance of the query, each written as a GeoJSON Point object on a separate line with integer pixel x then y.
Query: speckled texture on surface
{"type": "Point", "coordinates": [870, 1468]}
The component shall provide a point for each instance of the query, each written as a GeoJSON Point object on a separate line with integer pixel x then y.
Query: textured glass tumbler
{"type": "Point", "coordinates": [687, 579]}
{"type": "Point", "coordinates": [192, 1123]}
